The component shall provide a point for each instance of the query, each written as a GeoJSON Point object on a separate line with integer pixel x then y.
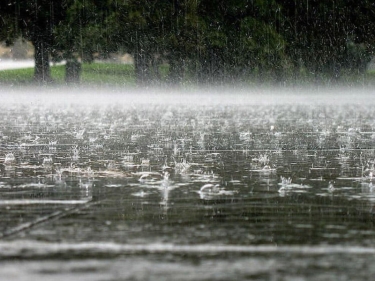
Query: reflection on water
{"type": "Point", "coordinates": [222, 177]}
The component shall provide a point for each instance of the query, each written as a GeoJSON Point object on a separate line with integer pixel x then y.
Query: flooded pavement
{"type": "Point", "coordinates": [131, 187]}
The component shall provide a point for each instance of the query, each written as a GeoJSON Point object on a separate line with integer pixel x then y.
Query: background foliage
{"type": "Point", "coordinates": [200, 41]}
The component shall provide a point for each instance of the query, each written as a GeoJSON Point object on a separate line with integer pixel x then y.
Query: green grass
{"type": "Point", "coordinates": [108, 74]}
{"type": "Point", "coordinates": [371, 75]}
{"type": "Point", "coordinates": [16, 76]}
{"type": "Point", "coordinates": [93, 74]}
{"type": "Point", "coordinates": [112, 74]}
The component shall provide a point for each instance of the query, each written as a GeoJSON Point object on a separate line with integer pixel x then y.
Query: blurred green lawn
{"type": "Point", "coordinates": [93, 74]}
{"type": "Point", "coordinates": [114, 74]}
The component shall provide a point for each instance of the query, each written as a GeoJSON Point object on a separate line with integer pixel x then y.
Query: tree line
{"type": "Point", "coordinates": [202, 41]}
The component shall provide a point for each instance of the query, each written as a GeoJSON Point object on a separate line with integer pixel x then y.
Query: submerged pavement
{"type": "Point", "coordinates": [92, 189]}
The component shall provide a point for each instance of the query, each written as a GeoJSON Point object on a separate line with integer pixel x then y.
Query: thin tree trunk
{"type": "Point", "coordinates": [42, 73]}
{"type": "Point", "coordinates": [72, 71]}
{"type": "Point", "coordinates": [176, 71]}
{"type": "Point", "coordinates": [142, 71]}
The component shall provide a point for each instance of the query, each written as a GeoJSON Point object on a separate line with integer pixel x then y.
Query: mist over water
{"type": "Point", "coordinates": [224, 95]}
{"type": "Point", "coordinates": [216, 183]}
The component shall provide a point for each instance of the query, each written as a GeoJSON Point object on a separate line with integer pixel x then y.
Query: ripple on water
{"type": "Point", "coordinates": [144, 165]}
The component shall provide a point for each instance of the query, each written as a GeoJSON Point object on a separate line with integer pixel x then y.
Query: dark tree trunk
{"type": "Point", "coordinates": [177, 53]}
{"type": "Point", "coordinates": [212, 68]}
{"type": "Point", "coordinates": [142, 69]}
{"type": "Point", "coordinates": [176, 71]}
{"type": "Point", "coordinates": [72, 71]}
{"type": "Point", "coordinates": [204, 70]}
{"type": "Point", "coordinates": [42, 73]}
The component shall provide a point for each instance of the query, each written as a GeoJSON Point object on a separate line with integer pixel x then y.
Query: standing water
{"type": "Point", "coordinates": [259, 185]}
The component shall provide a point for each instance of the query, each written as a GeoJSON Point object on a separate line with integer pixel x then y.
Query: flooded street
{"type": "Point", "coordinates": [258, 185]}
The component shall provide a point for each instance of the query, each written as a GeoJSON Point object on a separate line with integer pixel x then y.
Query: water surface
{"type": "Point", "coordinates": [115, 185]}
